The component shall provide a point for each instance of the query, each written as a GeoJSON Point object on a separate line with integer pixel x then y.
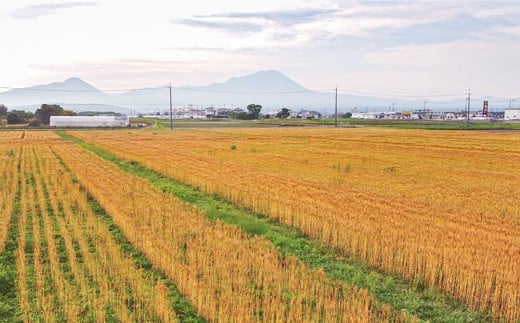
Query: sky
{"type": "Point", "coordinates": [408, 48]}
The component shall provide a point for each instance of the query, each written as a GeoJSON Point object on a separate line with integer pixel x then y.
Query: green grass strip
{"type": "Point", "coordinates": [412, 297]}
{"type": "Point", "coordinates": [185, 311]}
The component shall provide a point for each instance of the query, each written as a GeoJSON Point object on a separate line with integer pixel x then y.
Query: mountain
{"type": "Point", "coordinates": [72, 90]}
{"type": "Point", "coordinates": [271, 89]}
{"type": "Point", "coordinates": [237, 91]}
{"type": "Point", "coordinates": [263, 81]}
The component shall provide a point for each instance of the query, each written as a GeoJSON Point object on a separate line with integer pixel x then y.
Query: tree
{"type": "Point", "coordinates": [239, 115]}
{"type": "Point", "coordinates": [44, 113]}
{"type": "Point", "coordinates": [284, 113]}
{"type": "Point", "coordinates": [18, 116]}
{"type": "Point", "coordinates": [254, 111]}
{"type": "Point", "coordinates": [347, 115]}
{"type": "Point", "coordinates": [3, 111]}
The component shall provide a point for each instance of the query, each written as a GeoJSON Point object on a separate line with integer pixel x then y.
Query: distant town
{"type": "Point", "coordinates": [191, 112]}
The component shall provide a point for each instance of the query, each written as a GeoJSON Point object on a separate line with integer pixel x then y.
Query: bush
{"type": "Point", "coordinates": [18, 117]}
{"type": "Point", "coordinates": [34, 123]}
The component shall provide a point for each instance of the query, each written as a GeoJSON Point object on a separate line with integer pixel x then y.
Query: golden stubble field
{"type": "Point", "coordinates": [437, 206]}
{"type": "Point", "coordinates": [69, 266]}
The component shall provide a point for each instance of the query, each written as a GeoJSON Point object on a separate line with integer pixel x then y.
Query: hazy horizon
{"type": "Point", "coordinates": [406, 48]}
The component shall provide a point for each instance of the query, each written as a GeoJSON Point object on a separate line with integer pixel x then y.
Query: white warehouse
{"type": "Point", "coordinates": [512, 114]}
{"type": "Point", "coordinates": [89, 121]}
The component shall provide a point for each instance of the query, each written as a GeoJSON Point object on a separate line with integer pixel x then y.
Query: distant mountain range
{"type": "Point", "coordinates": [271, 89]}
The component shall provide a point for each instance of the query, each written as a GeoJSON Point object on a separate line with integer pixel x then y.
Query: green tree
{"type": "Point", "coordinates": [240, 115]}
{"type": "Point", "coordinates": [3, 111]}
{"type": "Point", "coordinates": [284, 113]}
{"type": "Point", "coordinates": [347, 115]}
{"type": "Point", "coordinates": [44, 113]}
{"type": "Point", "coordinates": [18, 117]}
{"type": "Point", "coordinates": [254, 111]}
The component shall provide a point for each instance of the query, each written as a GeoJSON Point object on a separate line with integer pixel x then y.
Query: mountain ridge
{"type": "Point", "coordinates": [270, 88]}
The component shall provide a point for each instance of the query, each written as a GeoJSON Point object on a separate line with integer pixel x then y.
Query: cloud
{"type": "Point", "coordinates": [252, 22]}
{"type": "Point", "coordinates": [355, 26]}
{"type": "Point", "coordinates": [284, 17]}
{"type": "Point", "coordinates": [36, 11]}
{"type": "Point", "coordinates": [484, 66]}
{"type": "Point", "coordinates": [222, 24]}
{"type": "Point", "coordinates": [513, 31]}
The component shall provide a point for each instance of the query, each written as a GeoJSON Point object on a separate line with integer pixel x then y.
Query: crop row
{"type": "Point", "coordinates": [69, 268]}
{"type": "Point", "coordinates": [8, 187]}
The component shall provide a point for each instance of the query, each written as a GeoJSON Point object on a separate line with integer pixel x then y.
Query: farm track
{"type": "Point", "coordinates": [413, 298]}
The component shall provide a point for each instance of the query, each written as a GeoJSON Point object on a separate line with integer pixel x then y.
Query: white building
{"type": "Point", "coordinates": [89, 121]}
{"type": "Point", "coordinates": [512, 114]}
{"type": "Point", "coordinates": [365, 115]}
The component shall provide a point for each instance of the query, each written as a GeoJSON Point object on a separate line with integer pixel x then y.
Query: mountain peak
{"type": "Point", "coordinates": [267, 81]}
{"type": "Point", "coordinates": [269, 72]}
{"type": "Point", "coordinates": [78, 83]}
{"type": "Point", "coordinates": [74, 80]}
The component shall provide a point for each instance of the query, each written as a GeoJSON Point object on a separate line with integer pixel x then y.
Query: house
{"type": "Point", "coordinates": [306, 114]}
{"type": "Point", "coordinates": [512, 114]}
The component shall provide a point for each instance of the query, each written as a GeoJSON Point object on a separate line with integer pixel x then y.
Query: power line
{"type": "Point", "coordinates": [78, 90]}
{"type": "Point", "coordinates": [347, 91]}
{"type": "Point", "coordinates": [171, 107]}
{"type": "Point", "coordinates": [253, 92]}
{"type": "Point", "coordinates": [469, 103]}
{"type": "Point", "coordinates": [165, 87]}
{"type": "Point", "coordinates": [401, 95]}
{"type": "Point", "coordinates": [336, 108]}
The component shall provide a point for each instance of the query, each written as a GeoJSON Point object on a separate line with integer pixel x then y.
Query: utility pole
{"type": "Point", "coordinates": [469, 102]}
{"type": "Point", "coordinates": [336, 109]}
{"type": "Point", "coordinates": [171, 108]}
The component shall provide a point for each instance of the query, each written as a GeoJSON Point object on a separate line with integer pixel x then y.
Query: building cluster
{"type": "Point", "coordinates": [508, 115]}
{"type": "Point", "coordinates": [296, 114]}
{"type": "Point", "coordinates": [191, 112]}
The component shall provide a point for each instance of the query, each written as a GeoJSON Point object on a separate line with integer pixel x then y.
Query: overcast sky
{"type": "Point", "coordinates": [408, 47]}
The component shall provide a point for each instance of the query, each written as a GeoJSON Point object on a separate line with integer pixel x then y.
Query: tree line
{"type": "Point", "coordinates": [40, 117]}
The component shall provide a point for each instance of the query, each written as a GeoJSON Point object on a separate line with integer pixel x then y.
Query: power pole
{"type": "Point", "coordinates": [336, 109]}
{"type": "Point", "coordinates": [171, 108]}
{"type": "Point", "coordinates": [469, 102]}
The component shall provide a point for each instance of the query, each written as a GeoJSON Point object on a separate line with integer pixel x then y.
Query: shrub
{"type": "Point", "coordinates": [34, 123]}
